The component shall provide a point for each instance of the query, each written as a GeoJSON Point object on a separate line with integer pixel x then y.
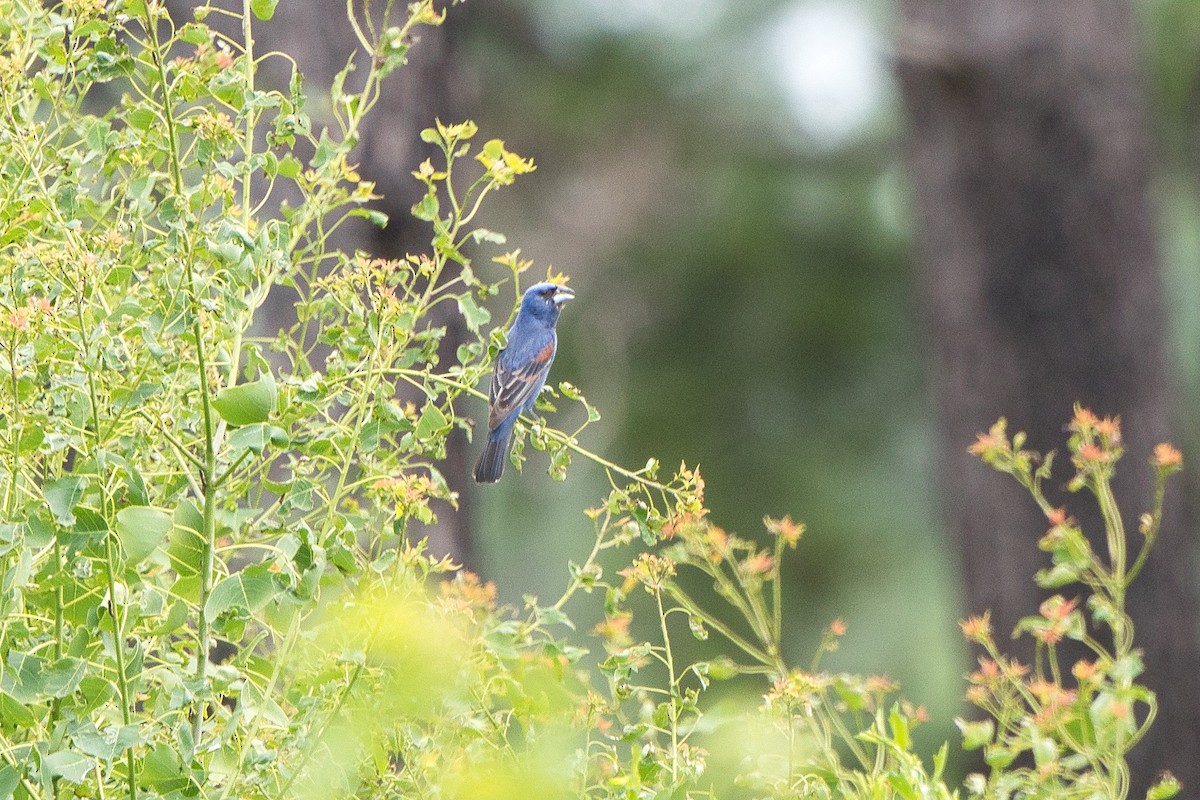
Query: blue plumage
{"type": "Point", "coordinates": [520, 372]}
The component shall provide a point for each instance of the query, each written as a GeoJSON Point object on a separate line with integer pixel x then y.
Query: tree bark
{"type": "Point", "coordinates": [1040, 277]}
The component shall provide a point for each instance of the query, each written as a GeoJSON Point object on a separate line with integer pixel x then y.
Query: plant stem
{"type": "Point", "coordinates": [109, 558]}
{"type": "Point", "coordinates": [10, 497]}
{"type": "Point", "coordinates": [1114, 528]}
{"type": "Point", "coordinates": [764, 658]}
{"type": "Point", "coordinates": [119, 655]}
{"type": "Point", "coordinates": [203, 634]}
{"type": "Point", "coordinates": [1151, 531]}
{"type": "Point", "coordinates": [591, 559]}
{"type": "Point", "coordinates": [673, 694]}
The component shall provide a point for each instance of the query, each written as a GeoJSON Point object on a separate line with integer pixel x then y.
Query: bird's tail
{"type": "Point", "coordinates": [495, 453]}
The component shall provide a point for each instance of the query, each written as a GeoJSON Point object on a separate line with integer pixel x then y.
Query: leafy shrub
{"type": "Point", "coordinates": [176, 485]}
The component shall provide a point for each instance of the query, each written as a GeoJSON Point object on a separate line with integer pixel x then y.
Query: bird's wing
{"type": "Point", "coordinates": [514, 385]}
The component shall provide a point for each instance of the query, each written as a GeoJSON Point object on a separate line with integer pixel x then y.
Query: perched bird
{"type": "Point", "coordinates": [520, 372]}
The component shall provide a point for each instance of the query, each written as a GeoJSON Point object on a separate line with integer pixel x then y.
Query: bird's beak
{"type": "Point", "coordinates": [563, 295]}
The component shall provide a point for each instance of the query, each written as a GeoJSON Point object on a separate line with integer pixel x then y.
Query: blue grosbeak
{"type": "Point", "coordinates": [520, 372]}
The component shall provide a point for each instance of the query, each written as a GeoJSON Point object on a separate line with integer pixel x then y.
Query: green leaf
{"type": "Point", "coordinates": [975, 734]}
{"type": "Point", "coordinates": [494, 149]}
{"type": "Point", "coordinates": [999, 757]}
{"type": "Point", "coordinates": [1057, 576]}
{"type": "Point", "coordinates": [70, 766]}
{"type": "Point", "coordinates": [162, 769]}
{"type": "Point", "coordinates": [263, 9]}
{"type": "Point", "coordinates": [193, 33]}
{"type": "Point", "coordinates": [939, 760]}
{"type": "Point", "coordinates": [1128, 667]}
{"type": "Point", "coordinates": [30, 678]}
{"type": "Point", "coordinates": [9, 780]}
{"type": "Point", "coordinates": [141, 118]}
{"type": "Point", "coordinates": [30, 439]}
{"type": "Point", "coordinates": [135, 485]}
{"type": "Point", "coordinates": [1167, 787]}
{"type": "Point", "coordinates": [484, 235]}
{"type": "Point", "coordinates": [186, 548]}
{"type": "Point", "coordinates": [903, 786]}
{"type": "Point", "coordinates": [62, 677]}
{"type": "Point", "coordinates": [107, 745]}
{"type": "Point", "coordinates": [90, 523]}
{"type": "Point", "coordinates": [560, 459]}
{"type": "Point", "coordinates": [377, 218]}
{"type": "Point", "coordinates": [427, 207]}
{"type": "Point", "coordinates": [248, 590]}
{"type": "Point", "coordinates": [722, 668]}
{"type": "Point", "coordinates": [14, 714]}
{"type": "Point", "coordinates": [256, 437]}
{"type": "Point", "coordinates": [1044, 748]}
{"type": "Point", "coordinates": [553, 616]}
{"type": "Point", "coordinates": [290, 166]}
{"type": "Point", "coordinates": [247, 403]}
{"type": "Point", "coordinates": [141, 529]}
{"type": "Point", "coordinates": [431, 423]}
{"type": "Point", "coordinates": [136, 397]}
{"type": "Point", "coordinates": [473, 314]}
{"type": "Point", "coordinates": [261, 704]}
{"type": "Point", "coordinates": [63, 495]}
{"type": "Point", "coordinates": [899, 725]}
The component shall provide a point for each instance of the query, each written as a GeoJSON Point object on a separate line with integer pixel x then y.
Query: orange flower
{"type": "Point", "coordinates": [758, 564]}
{"type": "Point", "coordinates": [1043, 690]}
{"type": "Point", "coordinates": [879, 684]}
{"type": "Point", "coordinates": [1057, 609]}
{"type": "Point", "coordinates": [19, 319]}
{"type": "Point", "coordinates": [1050, 635]}
{"type": "Point", "coordinates": [1165, 455]}
{"type": "Point", "coordinates": [838, 627]}
{"type": "Point", "coordinates": [718, 541]}
{"type": "Point", "coordinates": [676, 524]}
{"type": "Point", "coordinates": [1084, 419]}
{"type": "Point", "coordinates": [787, 529]}
{"type": "Point", "coordinates": [1084, 670]}
{"type": "Point", "coordinates": [468, 591]}
{"type": "Point", "coordinates": [985, 443]}
{"type": "Point", "coordinates": [988, 670]}
{"type": "Point", "coordinates": [615, 628]}
{"type": "Point", "coordinates": [1092, 452]}
{"type": "Point", "coordinates": [1109, 429]}
{"type": "Point", "coordinates": [978, 629]}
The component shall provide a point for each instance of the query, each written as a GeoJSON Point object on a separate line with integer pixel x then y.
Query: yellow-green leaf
{"type": "Point", "coordinates": [247, 403]}
{"type": "Point", "coordinates": [141, 529]}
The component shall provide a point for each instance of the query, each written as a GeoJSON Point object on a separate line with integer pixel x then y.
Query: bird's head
{"type": "Point", "coordinates": [545, 300]}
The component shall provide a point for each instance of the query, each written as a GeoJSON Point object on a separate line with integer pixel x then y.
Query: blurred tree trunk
{"type": "Point", "coordinates": [1042, 287]}
{"type": "Point", "coordinates": [318, 35]}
